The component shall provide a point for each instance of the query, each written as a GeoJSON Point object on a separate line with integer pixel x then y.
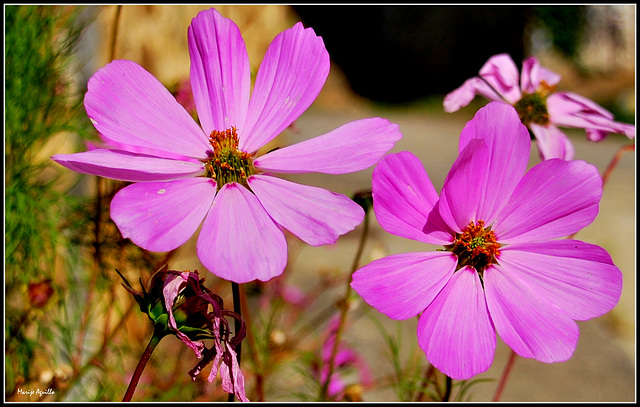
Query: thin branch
{"type": "Point", "coordinates": [237, 308]}
{"type": "Point", "coordinates": [146, 355]}
{"type": "Point", "coordinates": [345, 308]}
{"type": "Point", "coordinates": [505, 376]}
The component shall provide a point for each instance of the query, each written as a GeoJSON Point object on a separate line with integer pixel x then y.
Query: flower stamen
{"type": "Point", "coordinates": [532, 107]}
{"type": "Point", "coordinates": [476, 246]}
{"type": "Point", "coordinates": [227, 163]}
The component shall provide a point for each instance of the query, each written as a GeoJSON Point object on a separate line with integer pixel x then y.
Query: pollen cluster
{"type": "Point", "coordinates": [532, 107]}
{"type": "Point", "coordinates": [476, 246]}
{"type": "Point", "coordinates": [227, 163]}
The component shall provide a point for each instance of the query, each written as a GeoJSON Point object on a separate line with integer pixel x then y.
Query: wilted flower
{"type": "Point", "coordinates": [178, 303]}
{"type": "Point", "coordinates": [503, 268]}
{"type": "Point", "coordinates": [540, 107]}
{"type": "Point", "coordinates": [184, 173]}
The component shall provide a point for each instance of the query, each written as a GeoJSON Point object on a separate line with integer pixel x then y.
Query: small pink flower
{"type": "Point", "coordinates": [540, 107]}
{"type": "Point", "coordinates": [504, 267]}
{"type": "Point", "coordinates": [184, 96]}
{"type": "Point", "coordinates": [345, 359]}
{"type": "Point", "coordinates": [186, 175]}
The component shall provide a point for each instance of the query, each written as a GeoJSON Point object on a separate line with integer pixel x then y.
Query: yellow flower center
{"type": "Point", "coordinates": [532, 107]}
{"type": "Point", "coordinates": [228, 164]}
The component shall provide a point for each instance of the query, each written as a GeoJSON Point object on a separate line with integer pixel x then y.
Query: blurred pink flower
{"type": "Point", "coordinates": [184, 96]}
{"type": "Point", "coordinates": [503, 268]}
{"type": "Point", "coordinates": [540, 107]}
{"type": "Point", "coordinates": [345, 359]}
{"type": "Point", "coordinates": [186, 175]}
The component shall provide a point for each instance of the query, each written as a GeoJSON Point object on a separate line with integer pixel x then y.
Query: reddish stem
{"type": "Point", "coordinates": [505, 376]}
{"type": "Point", "coordinates": [614, 161]}
{"type": "Point", "coordinates": [155, 339]}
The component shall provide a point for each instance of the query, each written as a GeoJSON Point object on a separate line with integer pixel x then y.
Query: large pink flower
{"type": "Point", "coordinates": [503, 267]}
{"type": "Point", "coordinates": [185, 173]}
{"type": "Point", "coordinates": [540, 107]}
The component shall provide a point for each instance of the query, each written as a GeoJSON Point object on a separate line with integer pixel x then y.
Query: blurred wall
{"type": "Point", "coordinates": [155, 36]}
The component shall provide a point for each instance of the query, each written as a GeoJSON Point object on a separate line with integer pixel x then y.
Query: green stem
{"type": "Point", "coordinates": [155, 339]}
{"type": "Point", "coordinates": [237, 308]}
{"type": "Point", "coordinates": [345, 308]}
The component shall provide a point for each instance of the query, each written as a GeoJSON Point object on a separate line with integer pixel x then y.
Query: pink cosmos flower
{"type": "Point", "coordinates": [540, 107]}
{"type": "Point", "coordinates": [186, 175]}
{"type": "Point", "coordinates": [503, 268]}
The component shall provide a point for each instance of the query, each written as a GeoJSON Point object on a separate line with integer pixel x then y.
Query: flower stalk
{"type": "Point", "coordinates": [146, 355]}
{"type": "Point", "coordinates": [237, 308]}
{"type": "Point", "coordinates": [365, 200]}
{"type": "Point", "coordinates": [504, 377]}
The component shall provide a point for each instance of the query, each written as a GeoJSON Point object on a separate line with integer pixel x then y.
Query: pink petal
{"type": "Point", "coordinates": [577, 277]}
{"type": "Point", "coordinates": [352, 147]}
{"type": "Point", "coordinates": [554, 199]}
{"type": "Point", "coordinates": [220, 72]}
{"type": "Point", "coordinates": [125, 166]}
{"type": "Point", "coordinates": [509, 146]}
{"type": "Point", "coordinates": [403, 285]}
{"type": "Point", "coordinates": [109, 144]}
{"type": "Point", "coordinates": [172, 286]}
{"type": "Point", "coordinates": [162, 216]}
{"type": "Point", "coordinates": [232, 379]}
{"type": "Point", "coordinates": [336, 384]}
{"type": "Point", "coordinates": [552, 143]}
{"type": "Point", "coordinates": [572, 110]}
{"type": "Point", "coordinates": [315, 215]}
{"type": "Point", "coordinates": [403, 197]}
{"type": "Point", "coordinates": [455, 331]}
{"type": "Point", "coordinates": [239, 242]}
{"type": "Point", "coordinates": [565, 105]}
{"type": "Point", "coordinates": [526, 320]}
{"type": "Point", "coordinates": [501, 73]}
{"type": "Point", "coordinates": [130, 106]}
{"type": "Point", "coordinates": [217, 348]}
{"type": "Point", "coordinates": [533, 74]}
{"type": "Point", "coordinates": [462, 96]}
{"type": "Point", "coordinates": [463, 186]}
{"type": "Point", "coordinates": [289, 79]}
{"type": "Point", "coordinates": [215, 365]}
{"type": "Point", "coordinates": [596, 135]}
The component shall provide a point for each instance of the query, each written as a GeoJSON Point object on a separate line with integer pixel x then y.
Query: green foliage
{"type": "Point", "coordinates": [414, 381]}
{"type": "Point", "coordinates": [566, 25]}
{"type": "Point", "coordinates": [37, 107]}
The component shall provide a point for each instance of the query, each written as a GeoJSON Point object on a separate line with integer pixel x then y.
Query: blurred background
{"type": "Point", "coordinates": [70, 326]}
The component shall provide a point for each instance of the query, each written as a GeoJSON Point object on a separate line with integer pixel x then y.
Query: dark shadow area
{"type": "Point", "coordinates": [396, 54]}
